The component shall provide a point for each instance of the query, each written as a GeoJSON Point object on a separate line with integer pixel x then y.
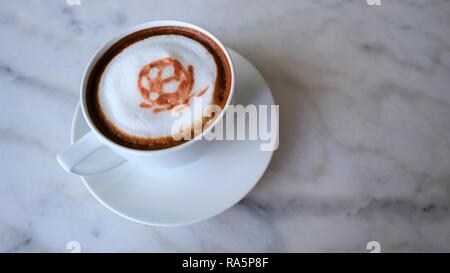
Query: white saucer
{"type": "Point", "coordinates": [203, 189]}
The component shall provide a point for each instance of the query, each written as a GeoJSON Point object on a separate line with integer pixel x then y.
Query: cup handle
{"type": "Point", "coordinates": [70, 158]}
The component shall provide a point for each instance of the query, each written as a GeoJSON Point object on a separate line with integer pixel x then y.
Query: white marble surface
{"type": "Point", "coordinates": [364, 95]}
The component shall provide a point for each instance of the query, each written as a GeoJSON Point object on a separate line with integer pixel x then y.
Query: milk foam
{"type": "Point", "coordinates": [119, 95]}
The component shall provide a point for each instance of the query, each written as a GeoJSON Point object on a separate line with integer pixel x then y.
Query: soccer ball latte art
{"type": "Point", "coordinates": [151, 85]}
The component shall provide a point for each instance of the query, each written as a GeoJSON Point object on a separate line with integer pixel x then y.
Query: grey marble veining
{"type": "Point", "coordinates": [364, 95]}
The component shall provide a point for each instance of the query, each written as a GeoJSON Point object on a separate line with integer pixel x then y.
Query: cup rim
{"type": "Point", "coordinates": [150, 24]}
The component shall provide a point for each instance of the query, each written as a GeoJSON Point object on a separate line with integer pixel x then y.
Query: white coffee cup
{"type": "Point", "coordinates": [172, 157]}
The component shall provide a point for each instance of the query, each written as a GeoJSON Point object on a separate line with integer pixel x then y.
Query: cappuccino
{"type": "Point", "coordinates": [135, 85]}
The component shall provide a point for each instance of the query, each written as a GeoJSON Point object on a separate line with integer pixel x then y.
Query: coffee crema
{"type": "Point", "coordinates": [140, 79]}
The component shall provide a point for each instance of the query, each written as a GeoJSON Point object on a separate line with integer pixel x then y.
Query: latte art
{"type": "Point", "coordinates": [148, 74]}
{"type": "Point", "coordinates": [153, 91]}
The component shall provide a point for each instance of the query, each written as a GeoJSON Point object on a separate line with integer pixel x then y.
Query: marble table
{"type": "Point", "coordinates": [364, 95]}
